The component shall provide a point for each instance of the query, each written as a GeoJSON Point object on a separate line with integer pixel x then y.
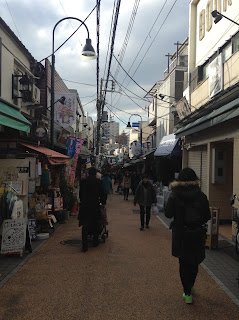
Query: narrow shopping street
{"type": "Point", "coordinates": [130, 276]}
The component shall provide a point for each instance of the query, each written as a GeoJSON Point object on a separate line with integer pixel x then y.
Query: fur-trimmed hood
{"type": "Point", "coordinates": [176, 184]}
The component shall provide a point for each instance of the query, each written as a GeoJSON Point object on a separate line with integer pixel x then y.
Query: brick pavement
{"type": "Point", "coordinates": [131, 276]}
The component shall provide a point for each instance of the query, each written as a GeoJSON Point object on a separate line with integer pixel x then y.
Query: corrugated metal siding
{"type": "Point", "coordinates": [197, 160]}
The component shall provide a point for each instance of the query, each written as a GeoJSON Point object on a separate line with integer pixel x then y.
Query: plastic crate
{"type": "Point", "coordinates": [235, 214]}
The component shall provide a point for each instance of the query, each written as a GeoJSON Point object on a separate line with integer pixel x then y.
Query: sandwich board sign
{"type": "Point", "coordinates": [13, 236]}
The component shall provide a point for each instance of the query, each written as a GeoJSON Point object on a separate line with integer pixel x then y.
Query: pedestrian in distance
{"type": "Point", "coordinates": [126, 184]}
{"type": "Point", "coordinates": [107, 185]}
{"type": "Point", "coordinates": [145, 196]}
{"type": "Point", "coordinates": [189, 208]}
{"type": "Point", "coordinates": [91, 195]}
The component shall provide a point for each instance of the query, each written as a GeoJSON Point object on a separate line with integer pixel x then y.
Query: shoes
{"type": "Point", "coordinates": [188, 299]}
{"type": "Point", "coordinates": [141, 228]}
{"type": "Point", "coordinates": [84, 249]}
{"type": "Point", "coordinates": [127, 199]}
{"type": "Point", "coordinates": [147, 226]}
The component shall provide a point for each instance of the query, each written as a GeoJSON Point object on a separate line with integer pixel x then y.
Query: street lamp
{"type": "Point", "coordinates": [88, 53]}
{"type": "Point", "coordinates": [218, 16]}
{"type": "Point", "coordinates": [141, 131]}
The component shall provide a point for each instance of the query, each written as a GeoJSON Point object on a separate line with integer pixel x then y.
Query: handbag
{"type": "Point", "coordinates": [155, 210]}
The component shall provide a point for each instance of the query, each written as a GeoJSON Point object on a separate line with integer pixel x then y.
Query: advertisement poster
{"type": "Point", "coordinates": [65, 113]}
{"type": "Point", "coordinates": [215, 76]}
{"type": "Point", "coordinates": [136, 148]}
{"type": "Point", "coordinates": [74, 146]}
{"type": "Point", "coordinates": [13, 236]}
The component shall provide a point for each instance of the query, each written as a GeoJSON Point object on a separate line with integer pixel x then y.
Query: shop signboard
{"type": "Point", "coordinates": [65, 113]}
{"type": "Point", "coordinates": [13, 236]}
{"type": "Point", "coordinates": [32, 227]}
{"type": "Point", "coordinates": [74, 146]}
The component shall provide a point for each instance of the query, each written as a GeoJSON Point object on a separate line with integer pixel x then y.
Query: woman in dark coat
{"type": "Point", "coordinates": [189, 207]}
{"type": "Point", "coordinates": [91, 194]}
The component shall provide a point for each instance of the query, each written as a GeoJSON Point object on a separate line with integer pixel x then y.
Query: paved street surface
{"type": "Point", "coordinates": [131, 276]}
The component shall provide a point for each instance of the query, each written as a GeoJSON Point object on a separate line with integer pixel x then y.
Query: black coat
{"type": "Point", "coordinates": [189, 207]}
{"type": "Point", "coordinates": [139, 194]}
{"type": "Point", "coordinates": [91, 195]}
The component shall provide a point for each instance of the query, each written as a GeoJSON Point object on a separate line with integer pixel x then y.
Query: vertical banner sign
{"type": "Point", "coordinates": [74, 146]}
{"type": "Point", "coordinates": [65, 114]}
{"type": "Point", "coordinates": [215, 76]}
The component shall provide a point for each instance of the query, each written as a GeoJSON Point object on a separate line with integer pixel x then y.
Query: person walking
{"type": "Point", "coordinates": [145, 196]}
{"type": "Point", "coordinates": [189, 208]}
{"type": "Point", "coordinates": [107, 185]}
{"type": "Point", "coordinates": [126, 184]}
{"type": "Point", "coordinates": [91, 194]}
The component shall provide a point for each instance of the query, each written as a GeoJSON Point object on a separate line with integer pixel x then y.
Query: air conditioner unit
{"type": "Point", "coordinates": [183, 61]}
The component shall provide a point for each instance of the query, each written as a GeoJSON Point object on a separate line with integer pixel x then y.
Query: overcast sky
{"type": "Point", "coordinates": [33, 22]}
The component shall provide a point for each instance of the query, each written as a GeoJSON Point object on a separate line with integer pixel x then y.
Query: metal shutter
{"type": "Point", "coordinates": [197, 160]}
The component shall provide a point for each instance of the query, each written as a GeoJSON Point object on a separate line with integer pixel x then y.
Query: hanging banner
{"type": "Point", "coordinates": [136, 148]}
{"type": "Point", "coordinates": [65, 113]}
{"type": "Point", "coordinates": [215, 76]}
{"type": "Point", "coordinates": [74, 146]}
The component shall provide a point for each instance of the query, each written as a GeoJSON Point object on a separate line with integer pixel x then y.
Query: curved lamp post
{"type": "Point", "coordinates": [88, 53]}
{"type": "Point", "coordinates": [141, 132]}
{"type": "Point", "coordinates": [218, 16]}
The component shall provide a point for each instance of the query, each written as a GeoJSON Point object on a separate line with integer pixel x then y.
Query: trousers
{"type": "Point", "coordinates": [126, 193]}
{"type": "Point", "coordinates": [142, 213]}
{"type": "Point", "coordinates": [188, 271]}
{"type": "Point", "coordinates": [86, 229]}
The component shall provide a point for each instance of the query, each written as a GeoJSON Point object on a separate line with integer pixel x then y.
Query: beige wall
{"type": "Point", "coordinates": [231, 71]}
{"type": "Point", "coordinates": [231, 75]}
{"type": "Point", "coordinates": [11, 54]}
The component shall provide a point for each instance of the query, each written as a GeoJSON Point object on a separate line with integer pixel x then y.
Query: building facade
{"type": "Point", "coordinates": [208, 124]}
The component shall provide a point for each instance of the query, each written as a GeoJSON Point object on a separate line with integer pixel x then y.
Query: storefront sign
{"type": "Point", "coordinates": [40, 132]}
{"type": "Point", "coordinates": [13, 236]}
{"type": "Point", "coordinates": [23, 169]}
{"type": "Point", "coordinates": [183, 108]}
{"type": "Point", "coordinates": [65, 114]}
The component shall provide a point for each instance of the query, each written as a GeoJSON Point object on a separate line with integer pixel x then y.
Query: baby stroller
{"type": "Point", "coordinates": [101, 224]}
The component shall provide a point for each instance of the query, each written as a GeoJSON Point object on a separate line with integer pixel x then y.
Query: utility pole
{"type": "Point", "coordinates": [99, 108]}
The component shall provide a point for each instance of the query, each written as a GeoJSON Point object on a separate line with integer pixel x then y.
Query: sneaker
{"type": "Point", "coordinates": [141, 228]}
{"type": "Point", "coordinates": [188, 299]}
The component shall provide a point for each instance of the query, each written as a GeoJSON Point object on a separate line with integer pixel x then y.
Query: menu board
{"type": "Point", "coordinates": [13, 236]}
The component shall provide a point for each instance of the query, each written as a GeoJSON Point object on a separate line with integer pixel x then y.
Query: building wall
{"type": "Point", "coordinates": [208, 37]}
{"type": "Point", "coordinates": [12, 54]}
{"type": "Point", "coordinates": [230, 75]}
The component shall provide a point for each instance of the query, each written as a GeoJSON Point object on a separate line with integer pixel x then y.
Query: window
{"type": "Point", "coordinates": [227, 52]}
{"type": "Point", "coordinates": [235, 43]}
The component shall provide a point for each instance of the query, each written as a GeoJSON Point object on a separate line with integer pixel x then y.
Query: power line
{"type": "Point", "coordinates": [127, 36]}
{"type": "Point", "coordinates": [146, 37]}
{"type": "Point", "coordinates": [155, 37]}
{"type": "Point", "coordinates": [85, 84]}
{"type": "Point", "coordinates": [112, 19]}
{"type": "Point", "coordinates": [13, 20]}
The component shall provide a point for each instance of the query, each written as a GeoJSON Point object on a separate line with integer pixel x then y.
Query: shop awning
{"type": "Point", "coordinates": [55, 158]}
{"type": "Point", "coordinates": [169, 146]}
{"type": "Point", "coordinates": [13, 118]}
{"type": "Point", "coordinates": [226, 112]}
{"type": "Point", "coordinates": [148, 153]}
